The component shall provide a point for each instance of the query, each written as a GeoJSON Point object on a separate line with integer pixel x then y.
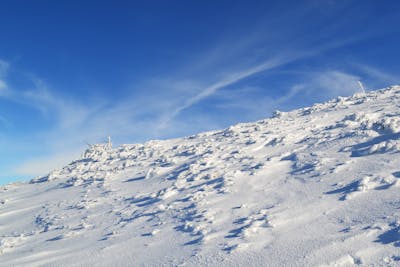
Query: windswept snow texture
{"type": "Point", "coordinates": [317, 186]}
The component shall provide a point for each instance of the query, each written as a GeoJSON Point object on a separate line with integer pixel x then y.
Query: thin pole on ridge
{"type": "Point", "coordinates": [361, 86]}
{"type": "Point", "coordinates": [109, 142]}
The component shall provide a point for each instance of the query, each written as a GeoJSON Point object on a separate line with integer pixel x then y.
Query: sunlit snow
{"type": "Point", "coordinates": [318, 186]}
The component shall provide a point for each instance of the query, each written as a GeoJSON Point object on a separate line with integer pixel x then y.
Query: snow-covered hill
{"type": "Point", "coordinates": [317, 186]}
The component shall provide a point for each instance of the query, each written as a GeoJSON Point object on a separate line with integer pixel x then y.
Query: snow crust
{"type": "Point", "coordinates": [318, 186]}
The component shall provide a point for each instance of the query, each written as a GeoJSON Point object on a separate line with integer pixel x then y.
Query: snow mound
{"type": "Point", "coordinates": [317, 186]}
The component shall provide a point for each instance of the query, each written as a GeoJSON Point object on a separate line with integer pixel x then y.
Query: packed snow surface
{"type": "Point", "coordinates": [318, 186]}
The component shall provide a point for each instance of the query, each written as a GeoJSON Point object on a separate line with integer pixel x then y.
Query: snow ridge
{"type": "Point", "coordinates": [316, 186]}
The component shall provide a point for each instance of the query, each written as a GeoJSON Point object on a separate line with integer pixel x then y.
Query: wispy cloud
{"type": "Point", "coordinates": [314, 86]}
{"type": "Point", "coordinates": [337, 83]}
{"type": "Point", "coordinates": [231, 79]}
{"type": "Point", "coordinates": [377, 74]}
{"type": "Point", "coordinates": [324, 85]}
{"type": "Point", "coordinates": [42, 165]}
{"type": "Point", "coordinates": [283, 58]}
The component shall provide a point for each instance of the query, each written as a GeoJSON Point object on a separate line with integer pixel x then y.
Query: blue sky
{"type": "Point", "coordinates": [74, 72]}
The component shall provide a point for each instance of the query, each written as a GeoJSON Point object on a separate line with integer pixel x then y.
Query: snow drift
{"type": "Point", "coordinates": [318, 186]}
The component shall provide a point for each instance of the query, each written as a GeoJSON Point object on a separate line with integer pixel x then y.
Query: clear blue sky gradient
{"type": "Point", "coordinates": [77, 71]}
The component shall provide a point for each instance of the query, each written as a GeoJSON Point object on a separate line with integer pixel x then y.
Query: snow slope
{"type": "Point", "coordinates": [318, 186]}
